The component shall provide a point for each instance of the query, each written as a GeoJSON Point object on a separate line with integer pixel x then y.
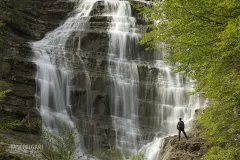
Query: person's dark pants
{"type": "Point", "coordinates": [179, 133]}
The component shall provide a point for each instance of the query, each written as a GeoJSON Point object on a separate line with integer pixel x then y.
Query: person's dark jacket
{"type": "Point", "coordinates": [180, 125]}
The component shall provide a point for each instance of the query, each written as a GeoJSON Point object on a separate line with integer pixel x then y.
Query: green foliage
{"type": "Point", "coordinates": [60, 146]}
{"type": "Point", "coordinates": [64, 146]}
{"type": "Point", "coordinates": [220, 153]}
{"type": "Point", "coordinates": [33, 124]}
{"type": "Point", "coordinates": [4, 93]}
{"type": "Point", "coordinates": [8, 127]}
{"type": "Point", "coordinates": [3, 90]}
{"type": "Point", "coordinates": [203, 39]}
{"type": "Point", "coordinates": [138, 157]}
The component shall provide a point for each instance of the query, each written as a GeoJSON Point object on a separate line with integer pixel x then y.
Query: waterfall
{"type": "Point", "coordinates": [56, 57]}
{"type": "Point", "coordinates": [170, 101]}
{"type": "Point", "coordinates": [145, 97]}
{"type": "Point", "coordinates": [123, 57]}
{"type": "Point", "coordinates": [173, 102]}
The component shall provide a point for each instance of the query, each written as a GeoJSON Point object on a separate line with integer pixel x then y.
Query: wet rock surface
{"type": "Point", "coordinates": [174, 149]}
{"type": "Point", "coordinates": [95, 127]}
{"type": "Point", "coordinates": [38, 18]}
{"type": "Point", "coordinates": [11, 146]}
{"type": "Point", "coordinates": [191, 149]}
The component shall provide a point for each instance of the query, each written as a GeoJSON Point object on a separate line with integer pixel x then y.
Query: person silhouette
{"type": "Point", "coordinates": [180, 127]}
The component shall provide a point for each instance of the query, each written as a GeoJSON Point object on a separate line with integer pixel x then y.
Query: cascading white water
{"type": "Point", "coordinates": [55, 56]}
{"type": "Point", "coordinates": [173, 103]}
{"type": "Point", "coordinates": [123, 71]}
{"type": "Point", "coordinates": [58, 53]}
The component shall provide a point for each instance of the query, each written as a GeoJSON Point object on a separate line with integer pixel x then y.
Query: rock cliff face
{"type": "Point", "coordinates": [192, 149]}
{"type": "Point", "coordinates": [39, 17]}
{"type": "Point", "coordinates": [97, 128]}
{"type": "Point", "coordinates": [154, 98]}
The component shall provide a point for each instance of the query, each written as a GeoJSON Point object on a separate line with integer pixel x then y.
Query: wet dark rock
{"type": "Point", "coordinates": [39, 17]}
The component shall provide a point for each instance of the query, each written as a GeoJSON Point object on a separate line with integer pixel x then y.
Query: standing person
{"type": "Point", "coordinates": [180, 127]}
